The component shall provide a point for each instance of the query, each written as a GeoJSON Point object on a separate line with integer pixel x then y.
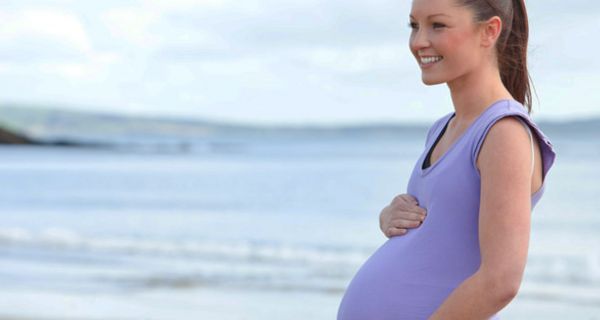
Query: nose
{"type": "Point", "coordinates": [418, 40]}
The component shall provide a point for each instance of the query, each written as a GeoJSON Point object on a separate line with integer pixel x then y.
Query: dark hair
{"type": "Point", "coordinates": [511, 47]}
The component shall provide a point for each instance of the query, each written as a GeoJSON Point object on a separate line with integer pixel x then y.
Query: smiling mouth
{"type": "Point", "coordinates": [430, 60]}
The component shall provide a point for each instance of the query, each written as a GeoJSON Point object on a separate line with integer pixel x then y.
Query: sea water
{"type": "Point", "coordinates": [254, 229]}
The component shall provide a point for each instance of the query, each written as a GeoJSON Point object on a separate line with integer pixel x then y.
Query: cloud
{"type": "Point", "coordinates": [36, 31]}
{"type": "Point", "coordinates": [283, 24]}
{"type": "Point", "coordinates": [133, 24]}
{"type": "Point", "coordinates": [354, 59]}
{"type": "Point", "coordinates": [45, 41]}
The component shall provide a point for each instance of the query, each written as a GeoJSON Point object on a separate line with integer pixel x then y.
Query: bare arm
{"type": "Point", "coordinates": [504, 225]}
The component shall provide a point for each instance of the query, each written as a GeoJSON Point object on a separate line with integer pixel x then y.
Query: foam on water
{"type": "Point", "coordinates": [566, 275]}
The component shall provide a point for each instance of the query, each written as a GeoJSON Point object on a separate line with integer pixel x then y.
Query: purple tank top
{"type": "Point", "coordinates": [410, 276]}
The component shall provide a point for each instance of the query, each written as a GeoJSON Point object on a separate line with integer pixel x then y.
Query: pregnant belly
{"type": "Point", "coordinates": [389, 285]}
{"type": "Point", "coordinates": [409, 277]}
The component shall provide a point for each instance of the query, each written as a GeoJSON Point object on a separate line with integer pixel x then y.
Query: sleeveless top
{"type": "Point", "coordinates": [410, 276]}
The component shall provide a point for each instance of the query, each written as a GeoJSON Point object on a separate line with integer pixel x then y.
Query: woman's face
{"type": "Point", "coordinates": [444, 40]}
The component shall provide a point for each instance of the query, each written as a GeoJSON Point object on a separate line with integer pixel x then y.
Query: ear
{"type": "Point", "coordinates": [490, 31]}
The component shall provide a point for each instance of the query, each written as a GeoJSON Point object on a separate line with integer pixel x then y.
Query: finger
{"type": "Point", "coordinates": [399, 199]}
{"type": "Point", "coordinates": [409, 207]}
{"type": "Point", "coordinates": [405, 224]}
{"type": "Point", "coordinates": [412, 213]}
{"type": "Point", "coordinates": [391, 232]}
{"type": "Point", "coordinates": [418, 210]}
{"type": "Point", "coordinates": [410, 199]}
{"type": "Point", "coordinates": [407, 215]}
{"type": "Point", "coordinates": [404, 198]}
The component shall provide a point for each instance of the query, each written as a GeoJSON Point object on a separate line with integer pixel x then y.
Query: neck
{"type": "Point", "coordinates": [475, 91]}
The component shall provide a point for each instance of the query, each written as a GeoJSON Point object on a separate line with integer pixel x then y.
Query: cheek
{"type": "Point", "coordinates": [458, 46]}
{"type": "Point", "coordinates": [453, 42]}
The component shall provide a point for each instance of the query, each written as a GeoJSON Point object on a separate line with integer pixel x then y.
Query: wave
{"type": "Point", "coordinates": [269, 266]}
{"type": "Point", "coordinates": [199, 263]}
{"type": "Point", "coordinates": [250, 251]}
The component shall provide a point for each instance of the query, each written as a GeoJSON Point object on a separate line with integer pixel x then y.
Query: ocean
{"type": "Point", "coordinates": [254, 229]}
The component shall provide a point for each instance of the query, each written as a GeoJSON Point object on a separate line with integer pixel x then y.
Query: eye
{"type": "Point", "coordinates": [438, 25]}
{"type": "Point", "coordinates": [412, 25]}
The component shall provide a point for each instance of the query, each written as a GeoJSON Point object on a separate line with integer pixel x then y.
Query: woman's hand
{"type": "Point", "coordinates": [401, 214]}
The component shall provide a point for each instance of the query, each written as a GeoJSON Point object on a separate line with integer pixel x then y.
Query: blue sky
{"type": "Point", "coordinates": [267, 61]}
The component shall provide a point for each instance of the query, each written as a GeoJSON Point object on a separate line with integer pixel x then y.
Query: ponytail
{"type": "Point", "coordinates": [511, 47]}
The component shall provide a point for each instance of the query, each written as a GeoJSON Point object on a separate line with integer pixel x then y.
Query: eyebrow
{"type": "Point", "coordinates": [432, 15]}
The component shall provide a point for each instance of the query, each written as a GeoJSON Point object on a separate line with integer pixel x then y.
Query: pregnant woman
{"type": "Point", "coordinates": [481, 173]}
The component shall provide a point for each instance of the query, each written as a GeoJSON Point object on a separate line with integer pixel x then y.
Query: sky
{"type": "Point", "coordinates": [267, 61]}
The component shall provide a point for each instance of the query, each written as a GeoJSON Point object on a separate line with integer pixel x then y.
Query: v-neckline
{"type": "Point", "coordinates": [456, 141]}
{"type": "Point", "coordinates": [435, 144]}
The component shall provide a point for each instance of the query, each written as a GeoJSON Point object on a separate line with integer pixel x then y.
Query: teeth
{"type": "Point", "coordinates": [426, 60]}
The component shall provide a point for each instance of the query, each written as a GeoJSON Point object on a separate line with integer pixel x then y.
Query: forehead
{"type": "Point", "coordinates": [439, 8]}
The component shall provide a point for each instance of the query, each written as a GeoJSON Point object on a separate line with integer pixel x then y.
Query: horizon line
{"type": "Point", "coordinates": [153, 116]}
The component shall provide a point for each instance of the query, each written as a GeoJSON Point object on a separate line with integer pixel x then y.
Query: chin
{"type": "Point", "coordinates": [431, 82]}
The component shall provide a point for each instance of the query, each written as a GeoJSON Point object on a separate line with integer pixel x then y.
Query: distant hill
{"type": "Point", "coordinates": [10, 137]}
{"type": "Point", "coordinates": [48, 124]}
{"type": "Point", "coordinates": [33, 123]}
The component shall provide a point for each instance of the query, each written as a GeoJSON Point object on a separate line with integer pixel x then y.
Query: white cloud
{"type": "Point", "coordinates": [189, 4]}
{"type": "Point", "coordinates": [59, 26]}
{"type": "Point", "coordinates": [134, 24]}
{"type": "Point", "coordinates": [44, 41]}
{"type": "Point", "coordinates": [147, 29]}
{"type": "Point", "coordinates": [233, 67]}
{"type": "Point", "coordinates": [357, 59]}
{"type": "Point", "coordinates": [171, 6]}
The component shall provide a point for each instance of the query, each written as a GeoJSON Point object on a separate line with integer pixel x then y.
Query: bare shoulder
{"type": "Point", "coordinates": [505, 145]}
